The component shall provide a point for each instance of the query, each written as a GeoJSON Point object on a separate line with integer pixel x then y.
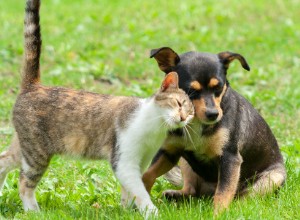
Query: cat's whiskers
{"type": "Point", "coordinates": [168, 122]}
{"type": "Point", "coordinates": [185, 135]}
{"type": "Point", "coordinates": [164, 124]}
{"type": "Point", "coordinates": [154, 118]}
{"type": "Point", "coordinates": [190, 127]}
{"type": "Point", "coordinates": [189, 136]}
{"type": "Point", "coordinates": [189, 90]}
{"type": "Point", "coordinates": [191, 93]}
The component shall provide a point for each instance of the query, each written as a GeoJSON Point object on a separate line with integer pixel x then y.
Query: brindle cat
{"type": "Point", "coordinates": [127, 131]}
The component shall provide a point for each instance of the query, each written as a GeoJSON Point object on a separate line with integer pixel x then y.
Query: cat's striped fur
{"type": "Point", "coordinates": [127, 131]}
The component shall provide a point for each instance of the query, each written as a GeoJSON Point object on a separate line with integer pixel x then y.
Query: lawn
{"type": "Point", "coordinates": [103, 46]}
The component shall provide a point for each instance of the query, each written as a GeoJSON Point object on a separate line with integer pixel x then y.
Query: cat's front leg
{"type": "Point", "coordinates": [133, 189]}
{"type": "Point", "coordinates": [127, 199]}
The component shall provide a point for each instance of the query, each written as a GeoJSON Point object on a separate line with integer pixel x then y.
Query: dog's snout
{"type": "Point", "coordinates": [212, 114]}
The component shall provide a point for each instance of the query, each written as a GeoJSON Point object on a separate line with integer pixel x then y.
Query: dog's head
{"type": "Point", "coordinates": [202, 76]}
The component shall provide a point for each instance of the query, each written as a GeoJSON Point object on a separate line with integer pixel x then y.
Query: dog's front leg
{"type": "Point", "coordinates": [229, 174]}
{"type": "Point", "coordinates": [162, 163]}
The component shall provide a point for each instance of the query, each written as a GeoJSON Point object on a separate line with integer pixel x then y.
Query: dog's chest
{"type": "Point", "coordinates": [206, 146]}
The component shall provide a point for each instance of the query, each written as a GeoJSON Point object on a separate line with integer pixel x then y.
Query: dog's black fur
{"type": "Point", "coordinates": [232, 144]}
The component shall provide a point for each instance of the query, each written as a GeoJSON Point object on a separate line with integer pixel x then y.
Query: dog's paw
{"type": "Point", "coordinates": [173, 194]}
{"type": "Point", "coordinates": [220, 204]}
{"type": "Point", "coordinates": [219, 210]}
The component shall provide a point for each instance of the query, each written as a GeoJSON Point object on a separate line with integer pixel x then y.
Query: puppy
{"type": "Point", "coordinates": [228, 149]}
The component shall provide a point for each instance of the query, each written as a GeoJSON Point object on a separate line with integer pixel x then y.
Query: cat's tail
{"type": "Point", "coordinates": [32, 45]}
{"type": "Point", "coordinates": [174, 176]}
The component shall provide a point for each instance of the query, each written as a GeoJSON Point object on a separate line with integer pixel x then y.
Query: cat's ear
{"type": "Point", "coordinates": [170, 81]}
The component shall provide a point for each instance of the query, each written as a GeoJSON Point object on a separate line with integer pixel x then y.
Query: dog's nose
{"type": "Point", "coordinates": [211, 114]}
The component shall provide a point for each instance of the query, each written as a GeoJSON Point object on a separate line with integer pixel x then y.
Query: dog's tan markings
{"type": "Point", "coordinates": [190, 178]}
{"type": "Point", "coordinates": [196, 85]}
{"type": "Point", "coordinates": [214, 144]}
{"type": "Point", "coordinates": [200, 108]}
{"type": "Point", "coordinates": [192, 185]}
{"type": "Point", "coordinates": [209, 146]}
{"type": "Point", "coordinates": [268, 181]}
{"type": "Point", "coordinates": [190, 182]}
{"type": "Point", "coordinates": [219, 98]}
{"type": "Point", "coordinates": [217, 101]}
{"type": "Point", "coordinates": [163, 164]}
{"type": "Point", "coordinates": [213, 82]}
{"type": "Point", "coordinates": [173, 145]}
{"type": "Point", "coordinates": [223, 197]}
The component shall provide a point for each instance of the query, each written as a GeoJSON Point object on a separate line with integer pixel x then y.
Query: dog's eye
{"type": "Point", "coordinates": [218, 90]}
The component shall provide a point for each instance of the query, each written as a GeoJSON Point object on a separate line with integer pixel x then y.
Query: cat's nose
{"type": "Point", "coordinates": [182, 118]}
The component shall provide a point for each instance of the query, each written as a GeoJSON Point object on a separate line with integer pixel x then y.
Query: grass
{"type": "Point", "coordinates": [103, 46]}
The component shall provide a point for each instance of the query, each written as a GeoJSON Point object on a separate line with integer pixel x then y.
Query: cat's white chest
{"type": "Point", "coordinates": [143, 136]}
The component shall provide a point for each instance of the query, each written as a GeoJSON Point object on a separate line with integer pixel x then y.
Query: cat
{"type": "Point", "coordinates": [127, 131]}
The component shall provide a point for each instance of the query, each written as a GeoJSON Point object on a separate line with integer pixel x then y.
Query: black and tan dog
{"type": "Point", "coordinates": [229, 148]}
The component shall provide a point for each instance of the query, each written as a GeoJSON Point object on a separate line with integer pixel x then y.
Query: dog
{"type": "Point", "coordinates": [229, 150]}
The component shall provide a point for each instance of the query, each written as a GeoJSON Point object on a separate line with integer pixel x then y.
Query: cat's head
{"type": "Point", "coordinates": [175, 104]}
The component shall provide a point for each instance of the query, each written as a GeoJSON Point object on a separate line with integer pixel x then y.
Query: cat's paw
{"type": "Point", "coordinates": [150, 212]}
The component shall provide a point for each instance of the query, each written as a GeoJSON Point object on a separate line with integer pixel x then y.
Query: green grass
{"type": "Point", "coordinates": [103, 46]}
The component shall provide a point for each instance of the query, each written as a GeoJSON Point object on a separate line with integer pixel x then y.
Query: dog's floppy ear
{"type": "Point", "coordinates": [227, 57]}
{"type": "Point", "coordinates": [166, 58]}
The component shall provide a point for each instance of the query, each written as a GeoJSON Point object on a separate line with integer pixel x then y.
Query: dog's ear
{"type": "Point", "coordinates": [227, 57]}
{"type": "Point", "coordinates": [166, 58]}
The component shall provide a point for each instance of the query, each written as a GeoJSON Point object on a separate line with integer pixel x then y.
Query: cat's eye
{"type": "Point", "coordinates": [179, 103]}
